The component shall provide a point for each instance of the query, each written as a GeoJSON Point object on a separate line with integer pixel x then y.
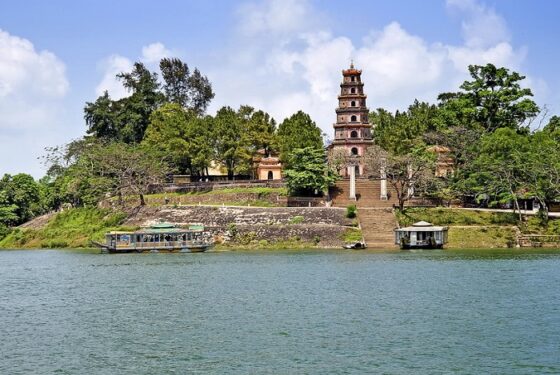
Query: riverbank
{"type": "Point", "coordinates": [262, 228]}
{"type": "Point", "coordinates": [232, 226]}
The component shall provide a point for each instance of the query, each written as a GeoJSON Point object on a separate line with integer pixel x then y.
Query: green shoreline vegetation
{"type": "Point", "coordinates": [474, 146]}
{"type": "Point", "coordinates": [76, 227]}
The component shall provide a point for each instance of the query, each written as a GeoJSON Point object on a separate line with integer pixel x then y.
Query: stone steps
{"type": "Point", "coordinates": [377, 227]}
{"type": "Point", "coordinates": [368, 194]}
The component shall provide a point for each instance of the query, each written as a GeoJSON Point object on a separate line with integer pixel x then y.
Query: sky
{"type": "Point", "coordinates": [280, 56]}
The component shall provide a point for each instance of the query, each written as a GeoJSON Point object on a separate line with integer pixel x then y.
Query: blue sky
{"type": "Point", "coordinates": [277, 55]}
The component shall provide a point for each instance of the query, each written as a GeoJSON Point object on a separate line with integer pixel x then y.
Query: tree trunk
{"type": "Point", "coordinates": [142, 201]}
{"type": "Point", "coordinates": [516, 206]}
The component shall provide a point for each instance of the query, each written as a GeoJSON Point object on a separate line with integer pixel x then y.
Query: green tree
{"type": "Point", "coordinates": [407, 173]}
{"type": "Point", "coordinates": [101, 118]}
{"type": "Point", "coordinates": [137, 108]}
{"type": "Point", "coordinates": [99, 169]}
{"type": "Point", "coordinates": [296, 132]}
{"type": "Point", "coordinates": [20, 200]}
{"type": "Point", "coordinates": [499, 169]}
{"type": "Point", "coordinates": [402, 131]}
{"type": "Point", "coordinates": [542, 169]}
{"type": "Point", "coordinates": [308, 173]}
{"type": "Point", "coordinates": [191, 91]}
{"type": "Point", "coordinates": [8, 211]}
{"type": "Point", "coordinates": [230, 143]}
{"type": "Point", "coordinates": [166, 135]}
{"type": "Point", "coordinates": [126, 119]}
{"type": "Point", "coordinates": [238, 135]}
{"type": "Point", "coordinates": [493, 99]}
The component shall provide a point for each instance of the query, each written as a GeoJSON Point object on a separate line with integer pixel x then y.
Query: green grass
{"type": "Point", "coordinates": [258, 197]}
{"type": "Point", "coordinates": [351, 235]}
{"type": "Point", "coordinates": [71, 228]}
{"type": "Point", "coordinates": [476, 237]}
{"type": "Point", "coordinates": [296, 220]}
{"type": "Point", "coordinates": [446, 216]}
{"type": "Point", "coordinates": [262, 191]}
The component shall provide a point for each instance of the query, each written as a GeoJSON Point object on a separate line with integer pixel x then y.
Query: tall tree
{"type": "Point", "coordinates": [542, 169]}
{"type": "Point", "coordinates": [402, 131]}
{"type": "Point", "coordinates": [295, 132]}
{"type": "Point", "coordinates": [308, 173]}
{"type": "Point", "coordinates": [190, 90]}
{"type": "Point", "coordinates": [101, 118]}
{"type": "Point", "coordinates": [137, 108]}
{"type": "Point", "coordinates": [493, 99]}
{"type": "Point", "coordinates": [181, 138]}
{"type": "Point", "coordinates": [499, 169]}
{"type": "Point", "coordinates": [21, 197]}
{"type": "Point", "coordinates": [405, 172]}
{"type": "Point", "coordinates": [230, 145]}
{"type": "Point", "coordinates": [126, 119]}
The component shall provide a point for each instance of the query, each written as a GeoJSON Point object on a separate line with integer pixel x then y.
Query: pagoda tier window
{"type": "Point", "coordinates": [352, 78]}
{"type": "Point", "coordinates": [353, 103]}
{"type": "Point", "coordinates": [353, 90]}
{"type": "Point", "coordinates": [354, 151]}
{"type": "Point", "coordinates": [353, 118]}
{"type": "Point", "coordinates": [354, 134]}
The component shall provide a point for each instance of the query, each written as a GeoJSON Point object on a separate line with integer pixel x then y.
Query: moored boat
{"type": "Point", "coordinates": [163, 236]}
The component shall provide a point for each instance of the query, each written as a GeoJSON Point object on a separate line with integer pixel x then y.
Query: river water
{"type": "Point", "coordinates": [304, 312]}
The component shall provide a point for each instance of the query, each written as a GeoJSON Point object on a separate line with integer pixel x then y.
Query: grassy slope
{"type": "Point", "coordinates": [448, 216]}
{"type": "Point", "coordinates": [71, 228]}
{"type": "Point", "coordinates": [226, 196]}
{"type": "Point", "coordinates": [468, 229]}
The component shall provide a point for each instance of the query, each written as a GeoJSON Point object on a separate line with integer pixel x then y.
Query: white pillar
{"type": "Point", "coordinates": [352, 172]}
{"type": "Point", "coordinates": [383, 195]}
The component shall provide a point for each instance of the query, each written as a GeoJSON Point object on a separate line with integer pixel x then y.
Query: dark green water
{"type": "Point", "coordinates": [280, 313]}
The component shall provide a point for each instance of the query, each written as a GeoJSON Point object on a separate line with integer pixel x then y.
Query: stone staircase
{"type": "Point", "coordinates": [367, 194]}
{"type": "Point", "coordinates": [377, 227]}
{"type": "Point", "coordinates": [375, 215]}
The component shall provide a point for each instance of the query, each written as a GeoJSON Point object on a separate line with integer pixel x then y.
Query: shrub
{"type": "Point", "coordinates": [4, 231]}
{"type": "Point", "coordinates": [351, 211]}
{"type": "Point", "coordinates": [296, 220]}
{"type": "Point", "coordinates": [232, 229]}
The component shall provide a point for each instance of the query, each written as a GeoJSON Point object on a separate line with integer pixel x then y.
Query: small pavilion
{"type": "Point", "coordinates": [421, 235]}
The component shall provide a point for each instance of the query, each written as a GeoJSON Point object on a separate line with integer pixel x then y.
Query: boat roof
{"type": "Point", "coordinates": [162, 228]}
{"type": "Point", "coordinates": [163, 225]}
{"type": "Point", "coordinates": [422, 224]}
{"type": "Point", "coordinates": [421, 228]}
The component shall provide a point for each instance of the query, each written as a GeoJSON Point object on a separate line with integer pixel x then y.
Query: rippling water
{"type": "Point", "coordinates": [279, 313]}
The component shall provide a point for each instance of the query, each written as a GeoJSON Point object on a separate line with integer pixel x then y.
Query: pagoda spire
{"type": "Point", "coordinates": [352, 130]}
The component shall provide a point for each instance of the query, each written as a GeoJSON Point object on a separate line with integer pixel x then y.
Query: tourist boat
{"type": "Point", "coordinates": [421, 235]}
{"type": "Point", "coordinates": [163, 236]}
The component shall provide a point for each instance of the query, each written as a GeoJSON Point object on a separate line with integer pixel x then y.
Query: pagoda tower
{"type": "Point", "coordinates": [352, 130]}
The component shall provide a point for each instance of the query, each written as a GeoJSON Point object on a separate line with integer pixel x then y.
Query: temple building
{"type": "Point", "coordinates": [267, 165]}
{"type": "Point", "coordinates": [352, 130]}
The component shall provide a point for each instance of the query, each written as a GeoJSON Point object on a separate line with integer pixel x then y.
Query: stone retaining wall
{"type": "Point", "coordinates": [323, 226]}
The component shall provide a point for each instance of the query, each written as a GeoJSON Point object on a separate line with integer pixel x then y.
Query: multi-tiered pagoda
{"type": "Point", "coordinates": [352, 130]}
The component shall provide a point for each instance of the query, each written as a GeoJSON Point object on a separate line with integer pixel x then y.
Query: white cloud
{"type": "Point", "coordinates": [115, 64]}
{"type": "Point", "coordinates": [112, 66]}
{"type": "Point", "coordinates": [32, 86]}
{"type": "Point", "coordinates": [274, 17]}
{"type": "Point", "coordinates": [281, 65]}
{"type": "Point", "coordinates": [153, 53]}
{"type": "Point", "coordinates": [24, 71]}
{"type": "Point", "coordinates": [481, 26]}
